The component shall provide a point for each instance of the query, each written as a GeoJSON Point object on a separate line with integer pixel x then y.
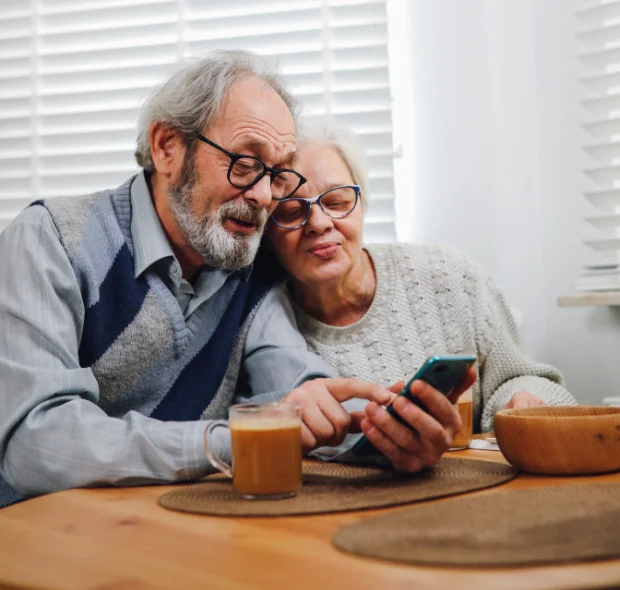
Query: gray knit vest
{"type": "Point", "coordinates": [143, 353]}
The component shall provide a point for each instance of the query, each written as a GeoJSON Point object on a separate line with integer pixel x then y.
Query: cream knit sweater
{"type": "Point", "coordinates": [433, 300]}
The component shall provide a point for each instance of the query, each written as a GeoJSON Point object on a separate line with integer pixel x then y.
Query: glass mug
{"type": "Point", "coordinates": [463, 437]}
{"type": "Point", "coordinates": [266, 449]}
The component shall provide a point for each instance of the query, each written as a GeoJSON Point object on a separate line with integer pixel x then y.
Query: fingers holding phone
{"type": "Point", "coordinates": [421, 423]}
{"type": "Point", "coordinates": [425, 437]}
{"type": "Point", "coordinates": [464, 385]}
{"type": "Point", "coordinates": [405, 456]}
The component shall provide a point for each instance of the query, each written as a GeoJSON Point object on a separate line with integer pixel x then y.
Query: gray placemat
{"type": "Point", "coordinates": [334, 487]}
{"type": "Point", "coordinates": [537, 526]}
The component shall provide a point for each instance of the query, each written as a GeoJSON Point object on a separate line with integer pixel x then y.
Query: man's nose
{"type": "Point", "coordinates": [260, 193]}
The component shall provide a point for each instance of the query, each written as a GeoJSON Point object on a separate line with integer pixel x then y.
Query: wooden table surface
{"type": "Point", "coordinates": [120, 538]}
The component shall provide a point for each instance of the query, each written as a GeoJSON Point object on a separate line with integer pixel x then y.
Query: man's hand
{"type": "Point", "coordinates": [410, 450]}
{"type": "Point", "coordinates": [324, 420]}
{"type": "Point", "coordinates": [523, 399]}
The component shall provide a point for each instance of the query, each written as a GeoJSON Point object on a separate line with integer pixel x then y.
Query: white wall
{"type": "Point", "coordinates": [497, 163]}
{"type": "Point", "coordinates": [583, 342]}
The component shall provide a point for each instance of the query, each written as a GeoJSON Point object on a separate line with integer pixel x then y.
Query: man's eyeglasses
{"type": "Point", "coordinates": [337, 202]}
{"type": "Point", "coordinates": [246, 171]}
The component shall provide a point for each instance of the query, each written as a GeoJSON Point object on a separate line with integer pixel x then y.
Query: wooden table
{"type": "Point", "coordinates": [121, 538]}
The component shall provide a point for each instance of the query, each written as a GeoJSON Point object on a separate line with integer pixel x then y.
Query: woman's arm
{"type": "Point", "coordinates": [505, 370]}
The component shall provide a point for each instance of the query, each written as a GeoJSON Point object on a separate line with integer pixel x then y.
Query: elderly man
{"type": "Point", "coordinates": [124, 313]}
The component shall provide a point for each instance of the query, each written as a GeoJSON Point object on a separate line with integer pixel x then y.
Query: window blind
{"type": "Point", "coordinates": [74, 74]}
{"type": "Point", "coordinates": [599, 58]}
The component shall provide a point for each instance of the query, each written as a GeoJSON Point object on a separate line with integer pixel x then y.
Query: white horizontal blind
{"type": "Point", "coordinates": [17, 92]}
{"type": "Point", "coordinates": [599, 58]}
{"type": "Point", "coordinates": [74, 73]}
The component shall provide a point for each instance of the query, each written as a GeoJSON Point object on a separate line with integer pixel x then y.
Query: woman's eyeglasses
{"type": "Point", "coordinates": [337, 202]}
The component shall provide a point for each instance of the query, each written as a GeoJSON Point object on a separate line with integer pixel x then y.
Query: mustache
{"type": "Point", "coordinates": [243, 211]}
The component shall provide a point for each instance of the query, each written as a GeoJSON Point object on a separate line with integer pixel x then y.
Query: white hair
{"type": "Point", "coordinates": [191, 98]}
{"type": "Point", "coordinates": [323, 130]}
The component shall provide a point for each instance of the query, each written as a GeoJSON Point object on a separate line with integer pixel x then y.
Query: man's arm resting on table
{"type": "Point", "coordinates": [53, 435]}
{"type": "Point", "coordinates": [276, 358]}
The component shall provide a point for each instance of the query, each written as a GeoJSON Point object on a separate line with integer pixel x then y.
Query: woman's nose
{"type": "Point", "coordinates": [318, 222]}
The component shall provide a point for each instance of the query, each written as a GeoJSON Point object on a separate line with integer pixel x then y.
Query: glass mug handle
{"type": "Point", "coordinates": [213, 458]}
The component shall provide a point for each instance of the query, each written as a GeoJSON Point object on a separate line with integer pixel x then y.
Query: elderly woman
{"type": "Point", "coordinates": [376, 312]}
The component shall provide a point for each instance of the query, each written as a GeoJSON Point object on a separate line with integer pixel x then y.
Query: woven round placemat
{"type": "Point", "coordinates": [334, 487]}
{"type": "Point", "coordinates": [510, 528]}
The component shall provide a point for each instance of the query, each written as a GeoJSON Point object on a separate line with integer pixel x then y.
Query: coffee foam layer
{"type": "Point", "coordinates": [264, 423]}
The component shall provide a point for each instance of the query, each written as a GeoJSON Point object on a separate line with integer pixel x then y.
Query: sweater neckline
{"type": "Point", "coordinates": [383, 265]}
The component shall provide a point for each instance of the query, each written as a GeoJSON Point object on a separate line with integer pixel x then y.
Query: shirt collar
{"type": "Point", "coordinates": [246, 271]}
{"type": "Point", "coordinates": [150, 242]}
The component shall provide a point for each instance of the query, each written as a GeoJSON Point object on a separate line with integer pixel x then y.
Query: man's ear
{"type": "Point", "coordinates": [167, 149]}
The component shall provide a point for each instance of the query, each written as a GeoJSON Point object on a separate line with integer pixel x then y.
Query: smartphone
{"type": "Point", "coordinates": [444, 373]}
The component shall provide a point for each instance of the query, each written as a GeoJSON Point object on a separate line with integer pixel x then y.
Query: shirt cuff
{"type": "Point", "coordinates": [343, 453]}
{"type": "Point", "coordinates": [195, 457]}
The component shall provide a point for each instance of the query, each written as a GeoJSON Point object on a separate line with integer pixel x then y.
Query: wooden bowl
{"type": "Point", "coordinates": [560, 440]}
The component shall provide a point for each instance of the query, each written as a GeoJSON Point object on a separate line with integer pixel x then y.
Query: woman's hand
{"type": "Point", "coordinates": [523, 399]}
{"type": "Point", "coordinates": [324, 420]}
{"type": "Point", "coordinates": [413, 450]}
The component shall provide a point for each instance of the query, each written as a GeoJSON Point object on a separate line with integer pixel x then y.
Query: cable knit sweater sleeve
{"type": "Point", "coordinates": [504, 368]}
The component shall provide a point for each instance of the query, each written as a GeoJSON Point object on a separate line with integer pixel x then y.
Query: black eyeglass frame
{"type": "Point", "coordinates": [317, 200]}
{"type": "Point", "coordinates": [273, 172]}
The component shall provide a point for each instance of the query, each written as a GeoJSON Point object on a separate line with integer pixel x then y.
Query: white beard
{"type": "Point", "coordinates": [218, 247]}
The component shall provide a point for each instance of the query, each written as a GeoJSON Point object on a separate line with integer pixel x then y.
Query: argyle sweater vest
{"type": "Point", "coordinates": [143, 353]}
{"type": "Point", "coordinates": [145, 356]}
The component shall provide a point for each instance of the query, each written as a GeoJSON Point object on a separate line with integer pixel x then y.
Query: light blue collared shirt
{"type": "Point", "coordinates": [151, 246]}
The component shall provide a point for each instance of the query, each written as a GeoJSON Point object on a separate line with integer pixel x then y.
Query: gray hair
{"type": "Point", "coordinates": [328, 131]}
{"type": "Point", "coordinates": [191, 98]}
